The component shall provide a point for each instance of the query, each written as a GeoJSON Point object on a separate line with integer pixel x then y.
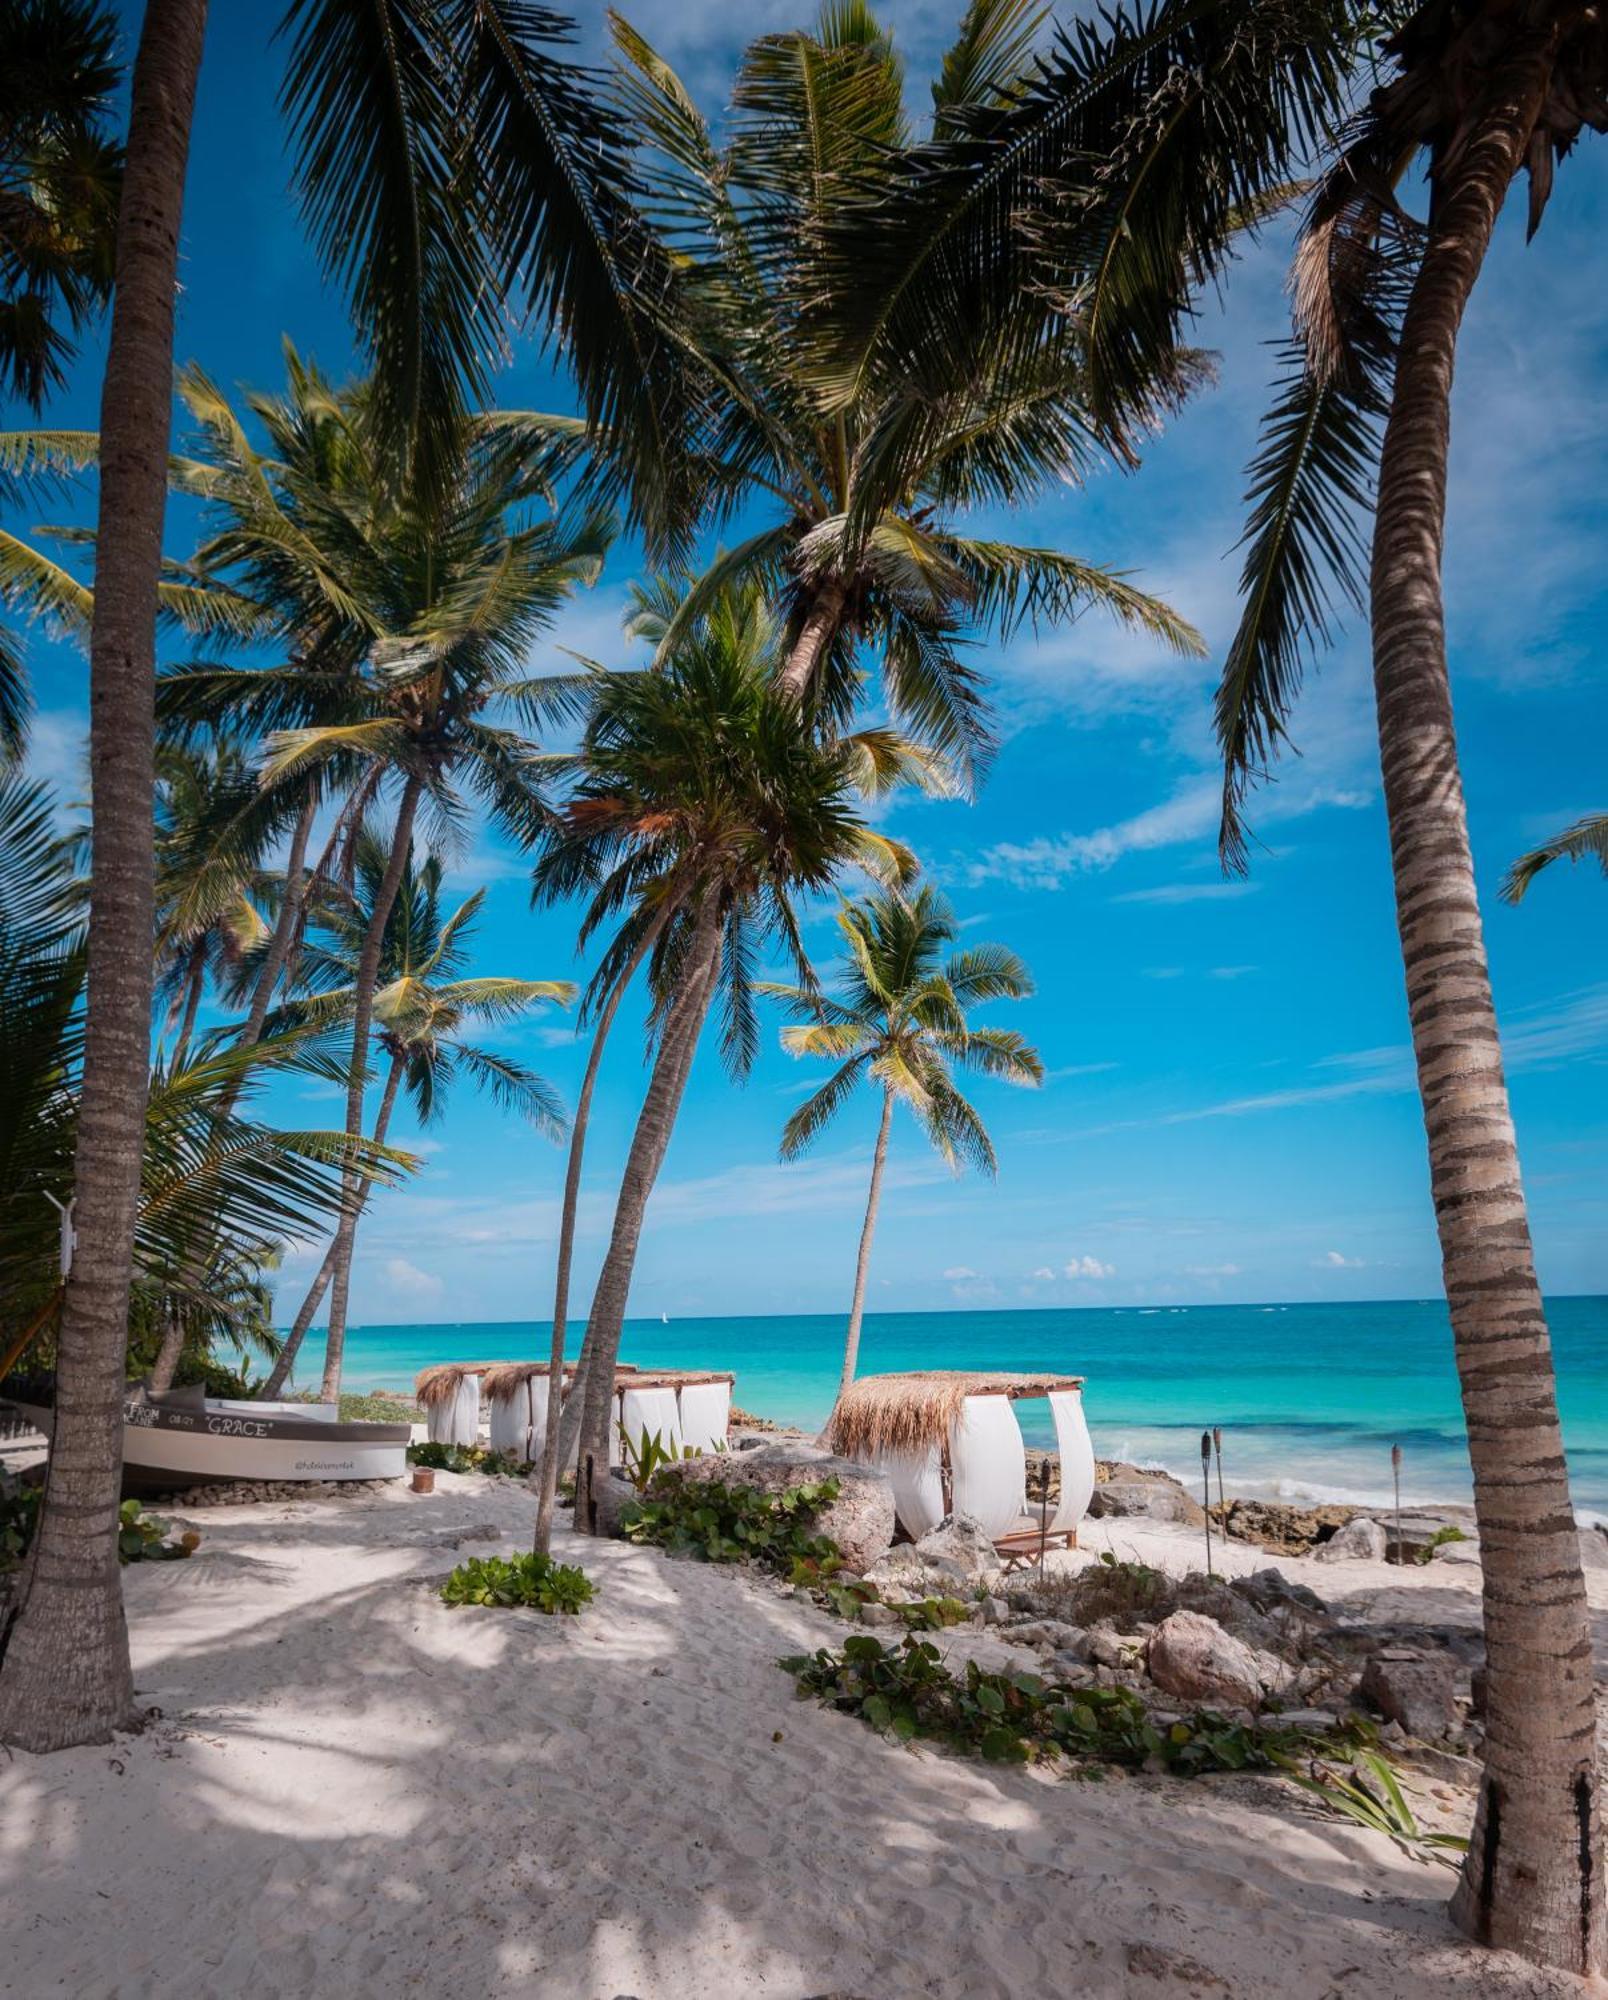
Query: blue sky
{"type": "Point", "coordinates": [1228, 1112]}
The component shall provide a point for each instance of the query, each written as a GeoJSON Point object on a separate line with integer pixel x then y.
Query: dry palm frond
{"type": "Point", "coordinates": [914, 1412]}
{"type": "Point", "coordinates": [437, 1386]}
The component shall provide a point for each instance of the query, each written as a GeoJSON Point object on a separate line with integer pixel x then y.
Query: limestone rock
{"type": "Point", "coordinates": [1191, 1656]}
{"type": "Point", "coordinates": [904, 1577]}
{"type": "Point", "coordinates": [1151, 1496]}
{"type": "Point", "coordinates": [613, 1496]}
{"type": "Point", "coordinates": [860, 1520]}
{"type": "Point", "coordinates": [1360, 1540]}
{"type": "Point", "coordinates": [1281, 1529]}
{"type": "Point", "coordinates": [1412, 1688]}
{"type": "Point", "coordinates": [959, 1541]}
{"type": "Point", "coordinates": [1593, 1548]}
{"type": "Point", "coordinates": [1050, 1635]}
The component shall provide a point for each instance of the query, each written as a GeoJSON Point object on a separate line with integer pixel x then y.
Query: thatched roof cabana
{"type": "Point", "coordinates": [915, 1412]}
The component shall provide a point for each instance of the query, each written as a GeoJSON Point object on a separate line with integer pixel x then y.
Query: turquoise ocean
{"type": "Point", "coordinates": [1310, 1397]}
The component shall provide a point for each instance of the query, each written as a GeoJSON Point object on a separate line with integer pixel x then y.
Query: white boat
{"type": "Point", "coordinates": [183, 1437]}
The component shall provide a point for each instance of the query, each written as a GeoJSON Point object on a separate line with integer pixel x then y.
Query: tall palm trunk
{"type": "Point", "coordinates": [170, 1352]}
{"type": "Point", "coordinates": [368, 972]}
{"type": "Point", "coordinates": [649, 1143]}
{"type": "Point", "coordinates": [1533, 1878]}
{"type": "Point", "coordinates": [286, 1359]}
{"type": "Point", "coordinates": [194, 980]}
{"type": "Point", "coordinates": [290, 905]}
{"type": "Point", "coordinates": [815, 635]}
{"type": "Point", "coordinates": [66, 1676]}
{"type": "Point", "coordinates": [862, 1268]}
{"type": "Point", "coordinates": [547, 1476]}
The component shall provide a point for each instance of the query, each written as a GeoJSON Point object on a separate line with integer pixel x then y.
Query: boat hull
{"type": "Point", "coordinates": [166, 1446]}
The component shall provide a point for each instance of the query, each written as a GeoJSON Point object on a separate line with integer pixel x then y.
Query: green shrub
{"type": "Point", "coordinates": [19, 1516]}
{"type": "Point", "coordinates": [906, 1691]}
{"type": "Point", "coordinates": [1450, 1533]}
{"type": "Point", "coordinates": [530, 1579]}
{"type": "Point", "coordinates": [378, 1409]}
{"type": "Point", "coordinates": [719, 1523]}
{"type": "Point", "coordinates": [645, 1456]}
{"type": "Point", "coordinates": [467, 1458]}
{"type": "Point", "coordinates": [143, 1537]}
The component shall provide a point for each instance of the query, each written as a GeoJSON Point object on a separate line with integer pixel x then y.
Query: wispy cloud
{"type": "Point", "coordinates": [1337, 1260]}
{"type": "Point", "coordinates": [1189, 892]}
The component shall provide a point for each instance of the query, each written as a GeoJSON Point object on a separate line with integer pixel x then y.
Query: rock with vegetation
{"type": "Point", "coordinates": [860, 1520]}
{"type": "Point", "coordinates": [1191, 1656]}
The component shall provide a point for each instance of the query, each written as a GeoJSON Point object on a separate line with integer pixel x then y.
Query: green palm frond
{"type": "Point", "coordinates": [1313, 476]}
{"type": "Point", "coordinates": [1586, 839]}
{"type": "Point", "coordinates": [817, 1111]}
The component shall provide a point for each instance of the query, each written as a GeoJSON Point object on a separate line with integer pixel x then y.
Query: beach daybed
{"type": "Point", "coordinates": [686, 1407]}
{"type": "Point", "coordinates": [950, 1443]}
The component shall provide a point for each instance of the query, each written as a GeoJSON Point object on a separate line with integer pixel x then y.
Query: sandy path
{"type": "Point", "coordinates": [354, 1790]}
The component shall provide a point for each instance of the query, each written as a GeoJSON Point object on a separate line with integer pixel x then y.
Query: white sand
{"type": "Point", "coordinates": [353, 1790]}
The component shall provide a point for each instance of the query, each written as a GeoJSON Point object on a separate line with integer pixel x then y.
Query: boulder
{"type": "Point", "coordinates": [903, 1577]}
{"type": "Point", "coordinates": [613, 1496]}
{"type": "Point", "coordinates": [1593, 1548]}
{"type": "Point", "coordinates": [1360, 1540]}
{"type": "Point", "coordinates": [1268, 1589]}
{"type": "Point", "coordinates": [1150, 1496]}
{"type": "Point", "coordinates": [1281, 1529]}
{"type": "Point", "coordinates": [1192, 1657]}
{"type": "Point", "coordinates": [859, 1520]}
{"type": "Point", "coordinates": [1415, 1689]}
{"type": "Point", "coordinates": [1048, 1635]}
{"type": "Point", "coordinates": [959, 1542]}
{"type": "Point", "coordinates": [1418, 1528]}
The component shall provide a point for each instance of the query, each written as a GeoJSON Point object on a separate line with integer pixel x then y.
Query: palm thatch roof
{"type": "Point", "coordinates": [507, 1378]}
{"type": "Point", "coordinates": [439, 1385]}
{"type": "Point", "coordinates": [912, 1413]}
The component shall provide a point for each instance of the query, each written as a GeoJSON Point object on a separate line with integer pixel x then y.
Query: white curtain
{"type": "Point", "coordinates": [508, 1421]}
{"type": "Point", "coordinates": [457, 1420]}
{"type": "Point", "coordinates": [652, 1410]}
{"type": "Point", "coordinates": [705, 1411]}
{"type": "Point", "coordinates": [918, 1489]}
{"type": "Point", "coordinates": [988, 1464]}
{"type": "Point", "coordinates": [1077, 1459]}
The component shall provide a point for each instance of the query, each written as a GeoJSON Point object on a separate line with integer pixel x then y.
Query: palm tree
{"type": "Point", "coordinates": [423, 1006]}
{"type": "Point", "coordinates": [449, 164]}
{"type": "Point", "coordinates": [208, 1175]}
{"type": "Point", "coordinates": [1109, 189]}
{"type": "Point", "coordinates": [1480, 94]}
{"type": "Point", "coordinates": [1587, 839]}
{"type": "Point", "coordinates": [898, 1020]}
{"type": "Point", "coordinates": [700, 807]}
{"type": "Point", "coordinates": [59, 174]}
{"type": "Point", "coordinates": [863, 481]}
{"type": "Point", "coordinates": [415, 609]}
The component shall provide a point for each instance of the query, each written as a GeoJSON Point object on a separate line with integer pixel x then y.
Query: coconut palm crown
{"type": "Point", "coordinates": [898, 1020]}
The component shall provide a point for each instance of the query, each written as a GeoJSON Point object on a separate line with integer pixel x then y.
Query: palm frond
{"type": "Point", "coordinates": [1586, 839]}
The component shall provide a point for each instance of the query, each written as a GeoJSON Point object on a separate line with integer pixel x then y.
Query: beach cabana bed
{"type": "Point", "coordinates": [686, 1407]}
{"type": "Point", "coordinates": [950, 1443]}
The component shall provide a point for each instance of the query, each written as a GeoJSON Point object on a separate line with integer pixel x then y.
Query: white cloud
{"type": "Point", "coordinates": [1335, 1260]}
{"type": "Point", "coordinates": [405, 1277]}
{"type": "Point", "coordinates": [1211, 1270]}
{"type": "Point", "coordinates": [1043, 1275]}
{"type": "Point", "coordinates": [1089, 1267]}
{"type": "Point", "coordinates": [1189, 892]}
{"type": "Point", "coordinates": [960, 1271]}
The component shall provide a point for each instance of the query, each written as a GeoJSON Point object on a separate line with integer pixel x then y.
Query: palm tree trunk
{"type": "Point", "coordinates": [286, 1359]}
{"type": "Point", "coordinates": [172, 1348]}
{"type": "Point", "coordinates": [368, 972]}
{"type": "Point", "coordinates": [195, 980]}
{"type": "Point", "coordinates": [649, 1143]}
{"type": "Point", "coordinates": [547, 1474]}
{"type": "Point", "coordinates": [862, 1268]}
{"type": "Point", "coordinates": [1533, 1878]}
{"type": "Point", "coordinates": [66, 1676]}
{"type": "Point", "coordinates": [815, 635]}
{"type": "Point", "coordinates": [284, 929]}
